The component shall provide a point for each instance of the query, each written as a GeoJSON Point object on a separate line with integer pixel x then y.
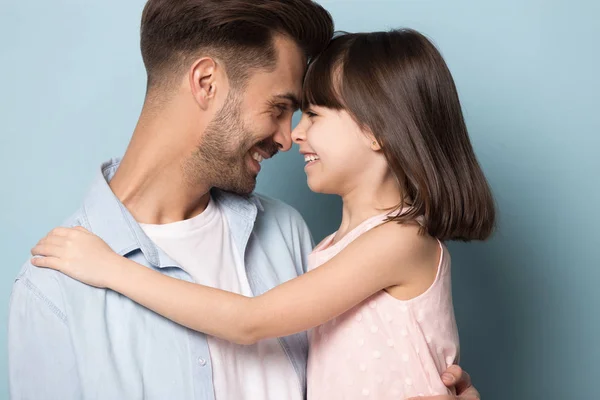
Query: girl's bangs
{"type": "Point", "coordinates": [322, 84]}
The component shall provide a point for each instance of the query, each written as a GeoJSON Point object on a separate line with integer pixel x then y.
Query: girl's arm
{"type": "Point", "coordinates": [376, 260]}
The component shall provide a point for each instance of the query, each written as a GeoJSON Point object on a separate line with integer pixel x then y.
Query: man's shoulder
{"type": "Point", "coordinates": [39, 286]}
{"type": "Point", "coordinates": [274, 209]}
{"type": "Point", "coordinates": [45, 284]}
{"type": "Point", "coordinates": [279, 218]}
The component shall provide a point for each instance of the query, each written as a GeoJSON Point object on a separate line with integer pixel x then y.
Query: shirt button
{"type": "Point", "coordinates": [201, 361]}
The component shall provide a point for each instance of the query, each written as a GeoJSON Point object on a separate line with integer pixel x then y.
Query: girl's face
{"type": "Point", "coordinates": [339, 155]}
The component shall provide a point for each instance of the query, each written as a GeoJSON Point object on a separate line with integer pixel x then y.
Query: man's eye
{"type": "Point", "coordinates": [280, 109]}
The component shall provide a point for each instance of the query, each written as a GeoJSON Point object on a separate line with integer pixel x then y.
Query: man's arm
{"type": "Point", "coordinates": [41, 360]}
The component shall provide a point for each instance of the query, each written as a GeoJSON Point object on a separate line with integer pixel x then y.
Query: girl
{"type": "Point", "coordinates": [383, 129]}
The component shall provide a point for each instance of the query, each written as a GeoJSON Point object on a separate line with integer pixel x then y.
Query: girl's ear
{"type": "Point", "coordinates": [370, 139]}
{"type": "Point", "coordinates": [375, 146]}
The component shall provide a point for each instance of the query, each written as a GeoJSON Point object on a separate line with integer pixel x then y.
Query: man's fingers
{"type": "Point", "coordinates": [464, 386]}
{"type": "Point", "coordinates": [464, 383]}
{"type": "Point", "coordinates": [470, 394]}
{"type": "Point", "coordinates": [46, 262]}
{"type": "Point", "coordinates": [452, 375]}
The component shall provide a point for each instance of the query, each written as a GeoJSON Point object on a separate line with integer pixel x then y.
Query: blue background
{"type": "Point", "coordinates": [72, 85]}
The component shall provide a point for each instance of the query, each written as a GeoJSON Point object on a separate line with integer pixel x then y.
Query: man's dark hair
{"type": "Point", "coordinates": [239, 33]}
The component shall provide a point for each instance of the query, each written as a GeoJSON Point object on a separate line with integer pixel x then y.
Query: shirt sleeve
{"type": "Point", "coordinates": [41, 359]}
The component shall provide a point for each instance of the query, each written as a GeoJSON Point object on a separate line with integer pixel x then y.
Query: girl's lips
{"type": "Point", "coordinates": [310, 164]}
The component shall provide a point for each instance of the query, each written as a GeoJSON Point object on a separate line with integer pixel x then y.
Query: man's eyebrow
{"type": "Point", "coordinates": [291, 97]}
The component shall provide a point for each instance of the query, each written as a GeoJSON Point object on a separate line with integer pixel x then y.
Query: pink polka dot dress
{"type": "Point", "coordinates": [384, 348]}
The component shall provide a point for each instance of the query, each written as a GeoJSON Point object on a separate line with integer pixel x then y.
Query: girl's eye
{"type": "Point", "coordinates": [310, 113]}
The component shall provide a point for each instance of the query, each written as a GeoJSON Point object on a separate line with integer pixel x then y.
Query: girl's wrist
{"type": "Point", "coordinates": [117, 265]}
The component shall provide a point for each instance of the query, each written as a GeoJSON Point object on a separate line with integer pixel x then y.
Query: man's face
{"type": "Point", "coordinates": [253, 124]}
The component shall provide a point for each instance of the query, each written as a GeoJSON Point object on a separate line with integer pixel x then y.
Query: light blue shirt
{"type": "Point", "coordinates": [68, 340]}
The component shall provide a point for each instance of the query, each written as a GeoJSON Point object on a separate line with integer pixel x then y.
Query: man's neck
{"type": "Point", "coordinates": [157, 196]}
{"type": "Point", "coordinates": [150, 180]}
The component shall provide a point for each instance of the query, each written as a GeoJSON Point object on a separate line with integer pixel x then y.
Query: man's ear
{"type": "Point", "coordinates": [203, 81]}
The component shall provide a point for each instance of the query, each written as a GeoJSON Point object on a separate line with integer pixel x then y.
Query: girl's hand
{"type": "Point", "coordinates": [77, 253]}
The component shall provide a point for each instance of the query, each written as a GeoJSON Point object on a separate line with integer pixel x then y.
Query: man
{"type": "Point", "coordinates": [224, 78]}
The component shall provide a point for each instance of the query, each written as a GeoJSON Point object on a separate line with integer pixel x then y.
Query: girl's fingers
{"type": "Point", "coordinates": [46, 250]}
{"type": "Point", "coordinates": [45, 239]}
{"type": "Point", "coordinates": [46, 262]}
{"type": "Point", "coordinates": [60, 231]}
{"type": "Point", "coordinates": [62, 234]}
{"type": "Point", "coordinates": [54, 241]}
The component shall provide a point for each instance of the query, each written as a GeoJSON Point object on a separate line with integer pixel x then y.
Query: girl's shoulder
{"type": "Point", "coordinates": [403, 247]}
{"type": "Point", "coordinates": [405, 238]}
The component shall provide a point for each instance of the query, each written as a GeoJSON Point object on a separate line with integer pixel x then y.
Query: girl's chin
{"type": "Point", "coordinates": [318, 186]}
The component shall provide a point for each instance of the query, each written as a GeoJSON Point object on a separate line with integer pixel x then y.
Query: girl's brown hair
{"type": "Point", "coordinates": [397, 86]}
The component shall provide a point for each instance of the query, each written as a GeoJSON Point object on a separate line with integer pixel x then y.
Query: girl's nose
{"type": "Point", "coordinates": [299, 132]}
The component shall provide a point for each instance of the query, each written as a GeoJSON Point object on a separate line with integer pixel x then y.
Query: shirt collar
{"type": "Point", "coordinates": [109, 219]}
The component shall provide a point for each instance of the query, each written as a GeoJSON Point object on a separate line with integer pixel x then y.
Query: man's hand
{"type": "Point", "coordinates": [455, 377]}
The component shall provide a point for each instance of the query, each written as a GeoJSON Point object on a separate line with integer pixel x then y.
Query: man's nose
{"type": "Point", "coordinates": [283, 136]}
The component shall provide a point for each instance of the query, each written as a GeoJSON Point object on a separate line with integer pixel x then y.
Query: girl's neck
{"type": "Point", "coordinates": [361, 204]}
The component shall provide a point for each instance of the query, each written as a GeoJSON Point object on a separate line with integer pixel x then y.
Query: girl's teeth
{"type": "Point", "coordinates": [309, 158]}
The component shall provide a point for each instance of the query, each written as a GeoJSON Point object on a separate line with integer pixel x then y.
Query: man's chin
{"type": "Point", "coordinates": [244, 194]}
{"type": "Point", "coordinates": [244, 190]}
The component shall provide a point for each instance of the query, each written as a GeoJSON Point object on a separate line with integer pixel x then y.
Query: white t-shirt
{"type": "Point", "coordinates": [204, 249]}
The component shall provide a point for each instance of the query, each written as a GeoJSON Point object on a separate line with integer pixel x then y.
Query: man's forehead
{"type": "Point", "coordinates": [284, 82]}
{"type": "Point", "coordinates": [287, 84]}
{"type": "Point", "coordinates": [289, 71]}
